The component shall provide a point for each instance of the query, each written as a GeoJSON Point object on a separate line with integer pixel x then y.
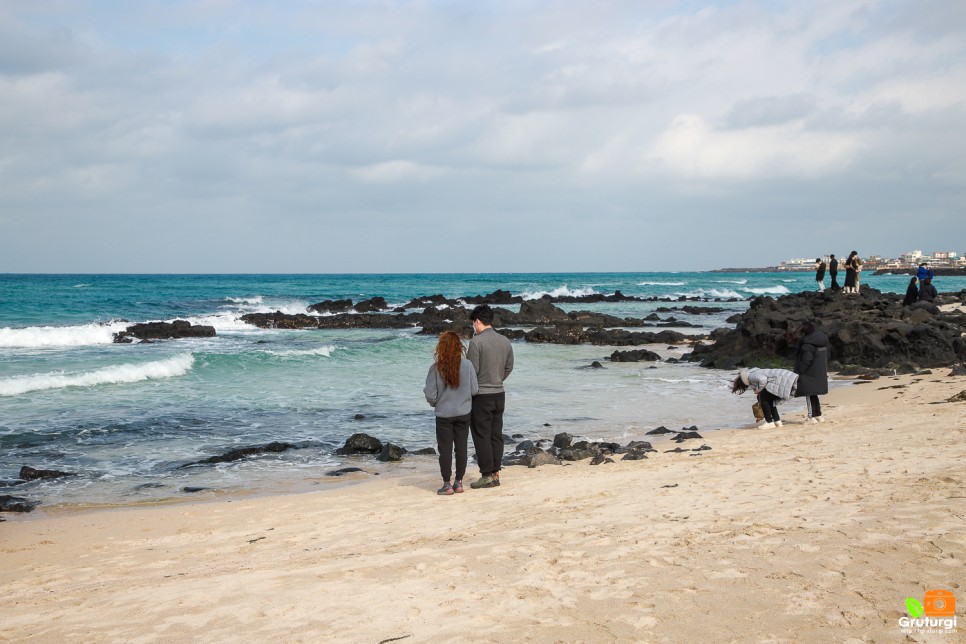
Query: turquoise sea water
{"type": "Point", "coordinates": [127, 417]}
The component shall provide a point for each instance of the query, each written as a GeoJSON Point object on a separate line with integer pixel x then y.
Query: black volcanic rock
{"type": "Point", "coordinates": [360, 444]}
{"type": "Point", "coordinates": [871, 330]}
{"type": "Point", "coordinates": [371, 306]}
{"type": "Point", "coordinates": [331, 306]}
{"type": "Point", "coordinates": [634, 355]}
{"type": "Point", "coordinates": [10, 503]}
{"type": "Point", "coordinates": [28, 473]}
{"type": "Point", "coordinates": [240, 453]}
{"type": "Point", "coordinates": [164, 331]}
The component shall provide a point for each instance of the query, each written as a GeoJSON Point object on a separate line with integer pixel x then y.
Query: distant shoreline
{"type": "Point", "coordinates": [939, 272]}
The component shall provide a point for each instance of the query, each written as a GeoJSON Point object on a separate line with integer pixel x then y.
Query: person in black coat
{"type": "Point", "coordinates": [833, 271]}
{"type": "Point", "coordinates": [811, 365]}
{"type": "Point", "coordinates": [927, 292]}
{"type": "Point", "coordinates": [912, 293]}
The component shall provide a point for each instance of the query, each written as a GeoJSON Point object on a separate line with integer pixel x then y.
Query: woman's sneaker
{"type": "Point", "coordinates": [778, 423]}
{"type": "Point", "coordinates": [458, 487]}
{"type": "Point", "coordinates": [767, 426]}
{"type": "Point", "coordinates": [446, 490]}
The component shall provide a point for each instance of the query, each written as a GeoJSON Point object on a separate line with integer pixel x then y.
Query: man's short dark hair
{"type": "Point", "coordinates": [483, 313]}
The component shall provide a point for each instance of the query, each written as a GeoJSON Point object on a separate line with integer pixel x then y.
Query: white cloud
{"type": "Point", "coordinates": [294, 113]}
{"type": "Point", "coordinates": [690, 148]}
{"type": "Point", "coordinates": [396, 172]}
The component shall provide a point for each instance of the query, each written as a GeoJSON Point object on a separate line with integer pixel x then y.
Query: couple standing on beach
{"type": "Point", "coordinates": [468, 396]}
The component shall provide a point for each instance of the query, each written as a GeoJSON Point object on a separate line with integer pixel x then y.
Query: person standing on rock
{"type": "Point", "coordinates": [833, 272]}
{"type": "Point", "coordinates": [492, 357]}
{"type": "Point", "coordinates": [820, 274]}
{"type": "Point", "coordinates": [450, 387]}
{"type": "Point", "coordinates": [851, 274]}
{"type": "Point", "coordinates": [811, 365]}
{"type": "Point", "coordinates": [771, 386]}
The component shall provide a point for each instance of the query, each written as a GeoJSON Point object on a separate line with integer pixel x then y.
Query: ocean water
{"type": "Point", "coordinates": [127, 418]}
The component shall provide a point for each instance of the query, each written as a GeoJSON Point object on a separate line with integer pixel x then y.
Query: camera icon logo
{"type": "Point", "coordinates": [939, 603]}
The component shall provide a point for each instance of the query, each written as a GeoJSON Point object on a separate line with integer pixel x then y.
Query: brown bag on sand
{"type": "Point", "coordinates": [759, 414]}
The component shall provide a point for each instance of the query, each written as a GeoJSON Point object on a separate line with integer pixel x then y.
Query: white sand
{"type": "Point", "coordinates": [810, 533]}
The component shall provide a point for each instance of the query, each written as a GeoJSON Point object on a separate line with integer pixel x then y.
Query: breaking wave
{"type": "Point", "coordinates": [60, 336]}
{"type": "Point", "coordinates": [117, 374]}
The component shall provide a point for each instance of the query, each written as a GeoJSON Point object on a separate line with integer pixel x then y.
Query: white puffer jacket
{"type": "Point", "coordinates": [780, 382]}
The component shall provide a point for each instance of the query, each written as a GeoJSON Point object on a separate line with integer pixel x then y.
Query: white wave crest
{"type": "Point", "coordinates": [661, 283]}
{"type": "Point", "coordinates": [251, 301]}
{"type": "Point", "coordinates": [738, 282]}
{"type": "Point", "coordinates": [768, 290]}
{"type": "Point", "coordinates": [562, 291]}
{"type": "Point", "coordinates": [60, 336]}
{"type": "Point", "coordinates": [724, 293]}
{"type": "Point", "coordinates": [321, 351]}
{"type": "Point", "coordinates": [117, 374]}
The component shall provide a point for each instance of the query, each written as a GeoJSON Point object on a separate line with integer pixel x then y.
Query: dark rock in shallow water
{"type": "Point", "coordinates": [331, 306]}
{"type": "Point", "coordinates": [426, 451]}
{"type": "Point", "coordinates": [344, 470]}
{"type": "Point", "coordinates": [164, 331]}
{"type": "Point", "coordinates": [391, 452]}
{"type": "Point", "coordinates": [191, 489]}
{"type": "Point", "coordinates": [360, 444]}
{"type": "Point", "coordinates": [16, 504]}
{"type": "Point", "coordinates": [28, 473]}
{"type": "Point", "coordinates": [635, 355]}
{"type": "Point", "coordinates": [660, 430]}
{"type": "Point", "coordinates": [596, 365]}
{"type": "Point", "coordinates": [372, 306]}
{"type": "Point", "coordinates": [244, 452]}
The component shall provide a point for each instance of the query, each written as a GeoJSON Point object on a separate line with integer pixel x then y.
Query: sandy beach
{"type": "Point", "coordinates": [806, 533]}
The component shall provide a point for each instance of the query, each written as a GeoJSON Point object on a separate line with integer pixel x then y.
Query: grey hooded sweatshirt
{"type": "Point", "coordinates": [449, 402]}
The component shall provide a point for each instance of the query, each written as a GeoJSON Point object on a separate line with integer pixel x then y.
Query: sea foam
{"type": "Point", "coordinates": [562, 291]}
{"type": "Point", "coordinates": [59, 336]}
{"type": "Point", "coordinates": [116, 374]}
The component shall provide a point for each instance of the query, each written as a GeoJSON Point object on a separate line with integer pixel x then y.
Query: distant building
{"type": "Point", "coordinates": [911, 259]}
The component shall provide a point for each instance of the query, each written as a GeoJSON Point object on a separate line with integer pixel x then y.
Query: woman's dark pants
{"type": "Point", "coordinates": [452, 433]}
{"type": "Point", "coordinates": [768, 407]}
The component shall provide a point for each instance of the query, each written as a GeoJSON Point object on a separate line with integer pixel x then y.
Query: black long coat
{"type": "Point", "coordinates": [811, 364]}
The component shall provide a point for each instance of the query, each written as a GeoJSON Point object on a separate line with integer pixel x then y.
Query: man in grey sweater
{"type": "Point", "coordinates": [492, 357]}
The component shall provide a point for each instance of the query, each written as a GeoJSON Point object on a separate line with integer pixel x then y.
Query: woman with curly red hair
{"type": "Point", "coordinates": [450, 386]}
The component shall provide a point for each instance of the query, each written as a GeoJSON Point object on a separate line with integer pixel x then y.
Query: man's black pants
{"type": "Point", "coordinates": [486, 425]}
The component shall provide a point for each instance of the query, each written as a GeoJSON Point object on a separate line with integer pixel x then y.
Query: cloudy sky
{"type": "Point", "coordinates": [473, 136]}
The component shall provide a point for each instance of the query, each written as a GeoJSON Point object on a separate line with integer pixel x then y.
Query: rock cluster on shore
{"type": "Point", "coordinates": [868, 331]}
